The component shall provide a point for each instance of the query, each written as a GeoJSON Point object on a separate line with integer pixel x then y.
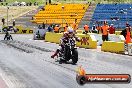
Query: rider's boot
{"type": "Point", "coordinates": [55, 54]}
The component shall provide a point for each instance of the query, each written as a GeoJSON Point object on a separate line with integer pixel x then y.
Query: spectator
{"type": "Point", "coordinates": [128, 35]}
{"type": "Point", "coordinates": [32, 18]}
{"type": "Point", "coordinates": [2, 4]}
{"type": "Point", "coordinates": [56, 29]}
{"type": "Point", "coordinates": [94, 30]}
{"type": "Point", "coordinates": [14, 23]}
{"type": "Point", "coordinates": [86, 28]}
{"type": "Point", "coordinates": [90, 4]}
{"type": "Point", "coordinates": [49, 1]}
{"type": "Point", "coordinates": [3, 21]}
{"type": "Point", "coordinates": [98, 28]}
{"type": "Point", "coordinates": [46, 2]}
{"type": "Point", "coordinates": [6, 4]}
{"type": "Point", "coordinates": [124, 32]}
{"type": "Point", "coordinates": [105, 29]}
{"type": "Point", "coordinates": [38, 34]}
{"type": "Point", "coordinates": [39, 27]}
{"type": "Point", "coordinates": [112, 29]}
{"type": "Point", "coordinates": [50, 29]}
{"type": "Point", "coordinates": [75, 20]}
{"type": "Point", "coordinates": [43, 25]}
{"type": "Point", "coordinates": [127, 24]}
{"type": "Point", "coordinates": [27, 4]}
{"type": "Point", "coordinates": [74, 25]}
{"type": "Point", "coordinates": [30, 4]}
{"type": "Point", "coordinates": [53, 25]}
{"type": "Point", "coordinates": [65, 28]}
{"type": "Point", "coordinates": [34, 3]}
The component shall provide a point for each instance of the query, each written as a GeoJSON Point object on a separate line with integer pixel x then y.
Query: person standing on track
{"type": "Point", "coordinates": [105, 30]}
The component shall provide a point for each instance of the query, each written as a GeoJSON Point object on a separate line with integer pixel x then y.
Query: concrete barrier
{"type": "Point", "coordinates": [53, 37]}
{"type": "Point", "coordinates": [87, 41]}
{"type": "Point", "coordinates": [114, 47]}
{"type": "Point", "coordinates": [117, 32]}
{"type": "Point", "coordinates": [21, 30]}
{"type": "Point", "coordinates": [130, 49]}
{"type": "Point", "coordinates": [79, 31]}
{"type": "Point", "coordinates": [112, 37]}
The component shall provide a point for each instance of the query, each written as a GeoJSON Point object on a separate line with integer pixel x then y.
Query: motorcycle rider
{"type": "Point", "coordinates": [65, 39]}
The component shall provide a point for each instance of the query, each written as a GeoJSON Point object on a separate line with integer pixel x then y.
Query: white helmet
{"type": "Point", "coordinates": [70, 30]}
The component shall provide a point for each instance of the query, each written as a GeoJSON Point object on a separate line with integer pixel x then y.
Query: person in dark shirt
{"type": "Point", "coordinates": [43, 26]}
{"type": "Point", "coordinates": [50, 29]}
{"type": "Point", "coordinates": [124, 32]}
{"type": "Point", "coordinates": [8, 36]}
{"type": "Point", "coordinates": [14, 23]}
{"type": "Point", "coordinates": [3, 21]}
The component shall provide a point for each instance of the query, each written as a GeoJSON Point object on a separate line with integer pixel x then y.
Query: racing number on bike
{"type": "Point", "coordinates": [84, 40]}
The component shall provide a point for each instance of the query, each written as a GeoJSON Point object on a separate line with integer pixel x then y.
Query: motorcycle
{"type": "Point", "coordinates": [69, 52]}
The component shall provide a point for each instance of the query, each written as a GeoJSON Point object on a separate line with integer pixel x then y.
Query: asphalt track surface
{"type": "Point", "coordinates": [26, 63]}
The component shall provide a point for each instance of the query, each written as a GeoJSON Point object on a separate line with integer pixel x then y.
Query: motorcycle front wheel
{"type": "Point", "coordinates": [74, 56]}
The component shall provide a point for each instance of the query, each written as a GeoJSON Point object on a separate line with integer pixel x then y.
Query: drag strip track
{"type": "Point", "coordinates": [28, 63]}
{"type": "Point", "coordinates": [28, 48]}
{"type": "Point", "coordinates": [17, 46]}
{"type": "Point", "coordinates": [23, 46]}
{"type": "Point", "coordinates": [61, 65]}
{"type": "Point", "coordinates": [22, 72]}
